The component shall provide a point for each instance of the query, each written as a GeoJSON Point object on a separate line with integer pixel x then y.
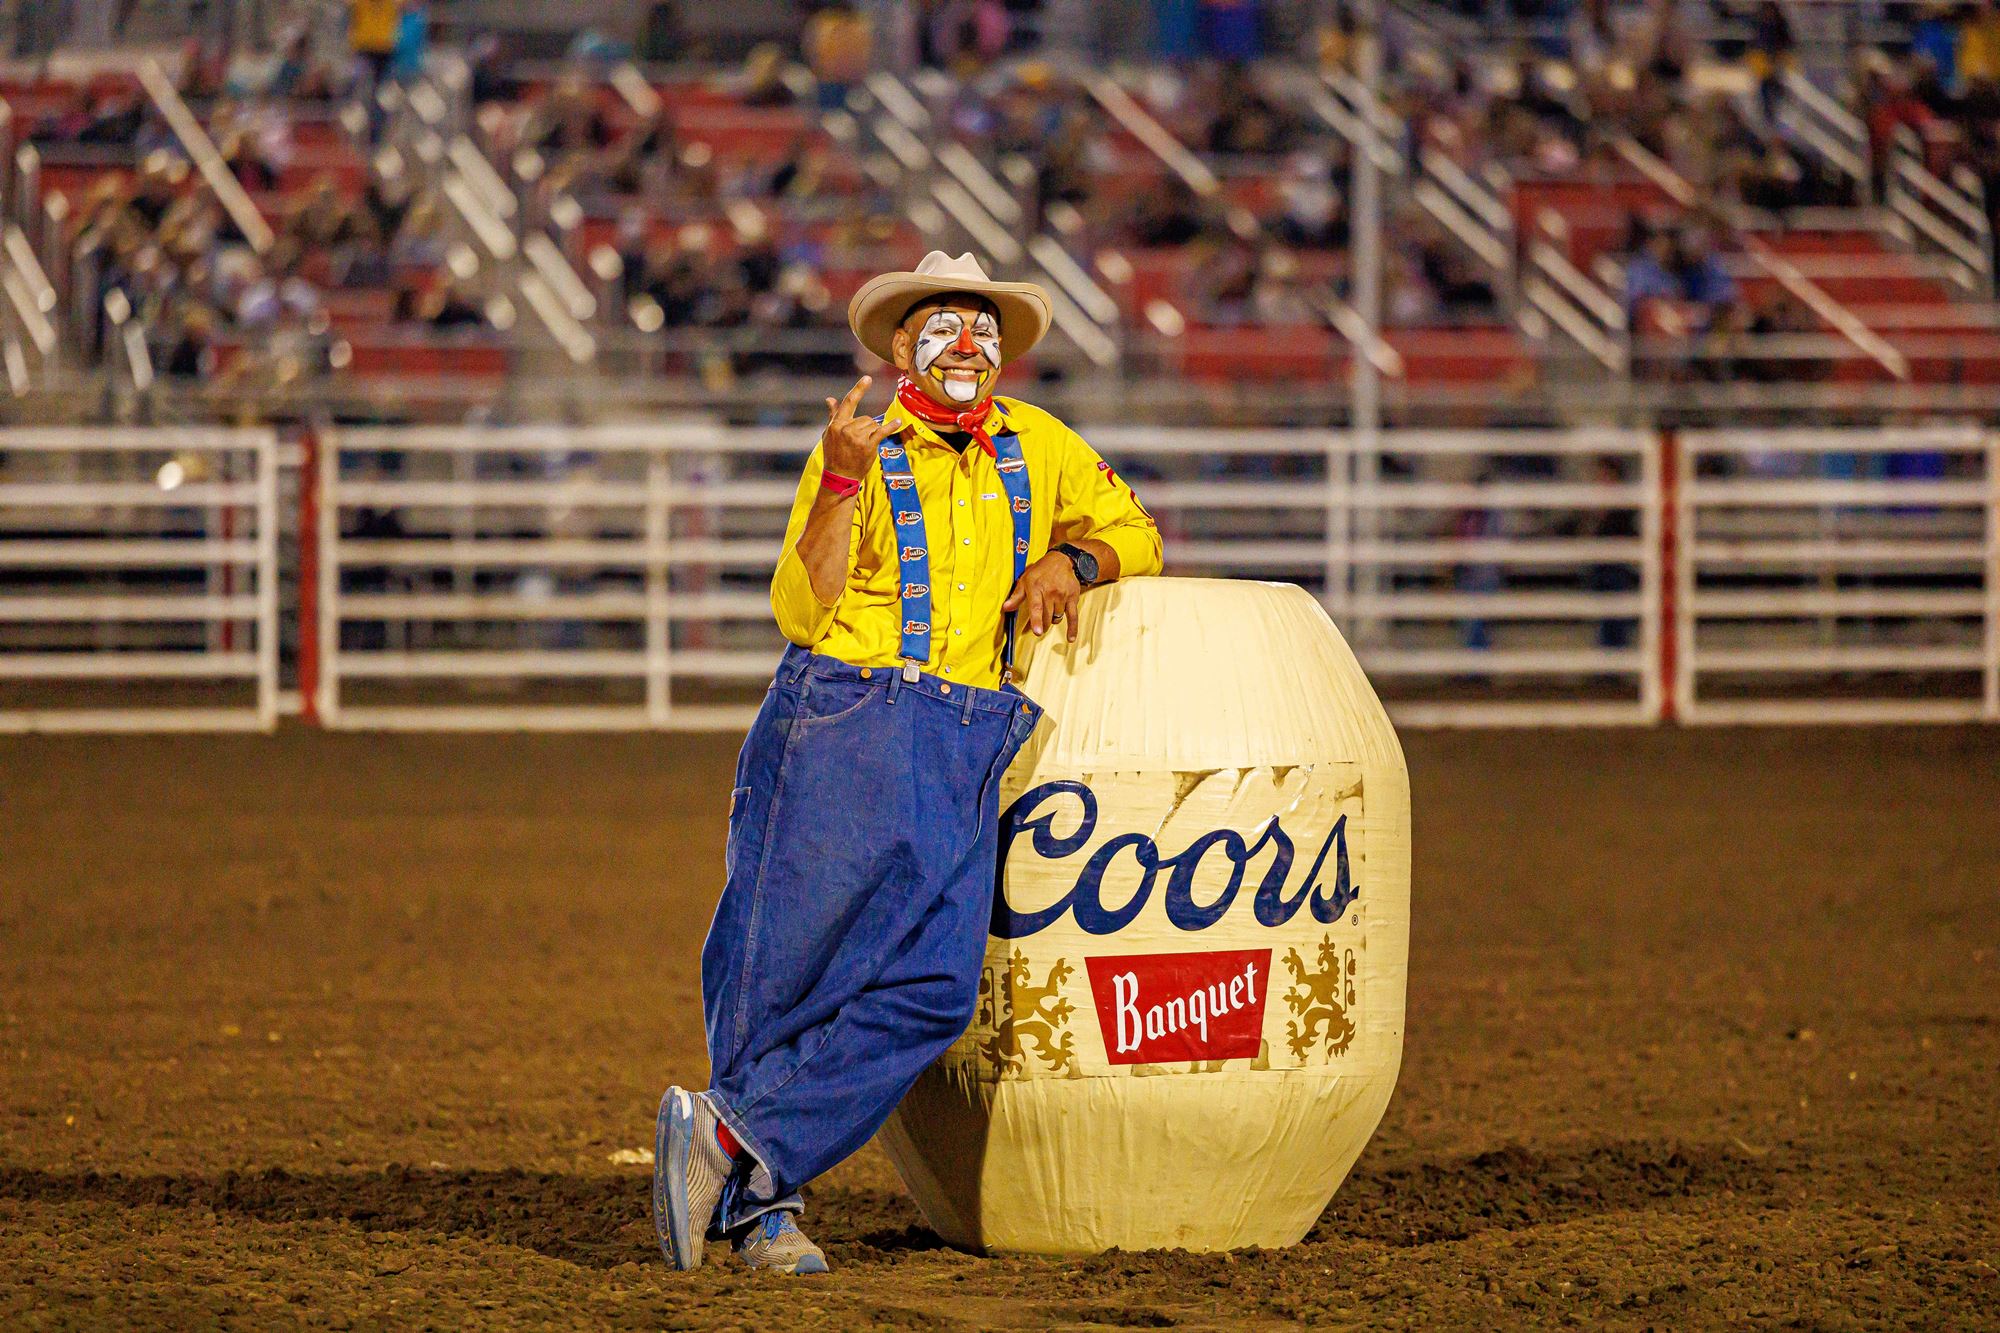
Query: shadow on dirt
{"type": "Point", "coordinates": [601, 1221]}
{"type": "Point", "coordinates": [1514, 1188]}
{"type": "Point", "coordinates": [597, 1221]}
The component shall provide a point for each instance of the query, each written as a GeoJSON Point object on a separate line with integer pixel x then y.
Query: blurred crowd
{"type": "Point", "coordinates": [687, 237]}
{"type": "Point", "coordinates": [218, 304]}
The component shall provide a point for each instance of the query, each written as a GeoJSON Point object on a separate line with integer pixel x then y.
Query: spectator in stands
{"type": "Point", "coordinates": [1244, 121]}
{"type": "Point", "coordinates": [249, 149]}
{"type": "Point", "coordinates": [838, 45]}
{"type": "Point", "coordinates": [568, 121]}
{"type": "Point", "coordinates": [1979, 57]}
{"type": "Point", "coordinates": [1313, 215]}
{"type": "Point", "coordinates": [644, 157]}
{"type": "Point", "coordinates": [1676, 266]}
{"type": "Point", "coordinates": [418, 244]}
{"type": "Point", "coordinates": [297, 71]}
{"type": "Point", "coordinates": [1779, 314]}
{"type": "Point", "coordinates": [663, 36]}
{"type": "Point", "coordinates": [451, 305]}
{"type": "Point", "coordinates": [1464, 295]}
{"type": "Point", "coordinates": [1935, 38]}
{"type": "Point", "coordinates": [1231, 29]}
{"type": "Point", "coordinates": [273, 292]}
{"type": "Point", "coordinates": [1770, 55]}
{"type": "Point", "coordinates": [802, 171]}
{"type": "Point", "coordinates": [158, 186]}
{"type": "Point", "coordinates": [764, 77]}
{"type": "Point", "coordinates": [1228, 285]}
{"type": "Point", "coordinates": [413, 36]}
{"type": "Point", "coordinates": [371, 36]}
{"type": "Point", "coordinates": [493, 80]}
{"type": "Point", "coordinates": [1171, 215]}
{"type": "Point", "coordinates": [108, 113]}
{"type": "Point", "coordinates": [189, 341]}
{"type": "Point", "coordinates": [1407, 300]}
{"type": "Point", "coordinates": [961, 35]}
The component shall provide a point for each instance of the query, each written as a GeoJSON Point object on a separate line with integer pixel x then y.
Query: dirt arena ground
{"type": "Point", "coordinates": [343, 1031]}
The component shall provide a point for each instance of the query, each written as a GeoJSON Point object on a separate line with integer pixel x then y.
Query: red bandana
{"type": "Point", "coordinates": [933, 413]}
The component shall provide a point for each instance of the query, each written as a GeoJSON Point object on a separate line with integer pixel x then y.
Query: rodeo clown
{"type": "Point", "coordinates": [863, 830]}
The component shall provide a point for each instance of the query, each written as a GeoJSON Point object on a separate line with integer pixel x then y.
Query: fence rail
{"type": "Point", "coordinates": [1838, 575]}
{"type": "Point", "coordinates": [138, 580]}
{"type": "Point", "coordinates": [615, 577]}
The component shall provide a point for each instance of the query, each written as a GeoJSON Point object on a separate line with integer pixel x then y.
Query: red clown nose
{"type": "Point", "coordinates": [964, 345]}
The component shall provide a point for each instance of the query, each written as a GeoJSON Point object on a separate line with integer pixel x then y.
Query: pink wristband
{"type": "Point", "coordinates": [844, 487]}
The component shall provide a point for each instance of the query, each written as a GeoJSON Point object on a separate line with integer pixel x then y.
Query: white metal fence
{"type": "Point", "coordinates": [138, 580]}
{"type": "Point", "coordinates": [615, 577]}
{"type": "Point", "coordinates": [1838, 575]}
{"type": "Point", "coordinates": [1495, 577]}
{"type": "Point", "coordinates": [545, 577]}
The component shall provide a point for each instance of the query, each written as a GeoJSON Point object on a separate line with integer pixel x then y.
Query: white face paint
{"type": "Point", "coordinates": [945, 330]}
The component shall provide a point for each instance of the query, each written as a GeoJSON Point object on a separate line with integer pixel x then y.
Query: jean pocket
{"type": "Point", "coordinates": [826, 702]}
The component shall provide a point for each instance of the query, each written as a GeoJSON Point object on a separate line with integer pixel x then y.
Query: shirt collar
{"type": "Point", "coordinates": [924, 431]}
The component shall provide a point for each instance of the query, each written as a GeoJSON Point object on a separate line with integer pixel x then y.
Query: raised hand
{"type": "Point", "coordinates": [849, 442]}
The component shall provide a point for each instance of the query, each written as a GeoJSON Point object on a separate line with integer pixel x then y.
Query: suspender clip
{"type": "Point", "coordinates": [911, 671]}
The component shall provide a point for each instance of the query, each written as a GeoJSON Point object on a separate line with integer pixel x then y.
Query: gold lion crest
{"type": "Point", "coordinates": [1320, 1001]}
{"type": "Point", "coordinates": [1025, 1019]}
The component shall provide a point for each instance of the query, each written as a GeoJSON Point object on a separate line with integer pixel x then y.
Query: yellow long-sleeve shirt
{"type": "Point", "coordinates": [971, 534]}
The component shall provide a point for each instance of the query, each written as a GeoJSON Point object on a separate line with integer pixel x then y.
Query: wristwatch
{"type": "Point", "coordinates": [1082, 561]}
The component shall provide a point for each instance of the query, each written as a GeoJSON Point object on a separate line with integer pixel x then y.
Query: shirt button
{"type": "Point", "coordinates": [947, 671]}
{"type": "Point", "coordinates": [961, 504]}
{"type": "Point", "coordinates": [966, 542]}
{"type": "Point", "coordinates": [961, 587]}
{"type": "Point", "coordinates": [958, 631]}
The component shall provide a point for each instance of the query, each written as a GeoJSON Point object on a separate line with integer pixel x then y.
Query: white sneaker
{"type": "Point", "coordinates": [689, 1171]}
{"type": "Point", "coordinates": [777, 1243]}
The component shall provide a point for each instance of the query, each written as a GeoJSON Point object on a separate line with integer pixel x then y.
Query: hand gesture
{"type": "Point", "coordinates": [1046, 594]}
{"type": "Point", "coordinates": [848, 447]}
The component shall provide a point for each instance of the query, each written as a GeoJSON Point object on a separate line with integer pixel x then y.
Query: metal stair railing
{"type": "Point", "coordinates": [1556, 290]}
{"type": "Point", "coordinates": [425, 131]}
{"type": "Point", "coordinates": [1933, 216]}
{"type": "Point", "coordinates": [1830, 130]}
{"type": "Point", "coordinates": [949, 186]}
{"type": "Point", "coordinates": [1809, 293]}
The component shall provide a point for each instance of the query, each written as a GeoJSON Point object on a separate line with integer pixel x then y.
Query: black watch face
{"type": "Point", "coordinates": [1086, 566]}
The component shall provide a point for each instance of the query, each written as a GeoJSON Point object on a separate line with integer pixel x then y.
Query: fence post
{"type": "Point", "coordinates": [659, 623]}
{"type": "Point", "coordinates": [1992, 576]}
{"type": "Point", "coordinates": [326, 588]}
{"type": "Point", "coordinates": [1672, 605]}
{"type": "Point", "coordinates": [309, 520]}
{"type": "Point", "coordinates": [265, 459]}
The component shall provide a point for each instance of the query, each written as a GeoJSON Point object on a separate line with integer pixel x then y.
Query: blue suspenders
{"type": "Point", "coordinates": [913, 551]}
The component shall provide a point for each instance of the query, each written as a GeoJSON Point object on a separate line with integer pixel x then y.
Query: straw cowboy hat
{"type": "Point", "coordinates": [879, 307]}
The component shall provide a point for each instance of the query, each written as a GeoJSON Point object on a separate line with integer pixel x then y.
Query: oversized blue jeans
{"type": "Point", "coordinates": [846, 950]}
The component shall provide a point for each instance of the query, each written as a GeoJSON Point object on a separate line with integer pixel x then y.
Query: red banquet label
{"type": "Point", "coordinates": [1166, 1007]}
